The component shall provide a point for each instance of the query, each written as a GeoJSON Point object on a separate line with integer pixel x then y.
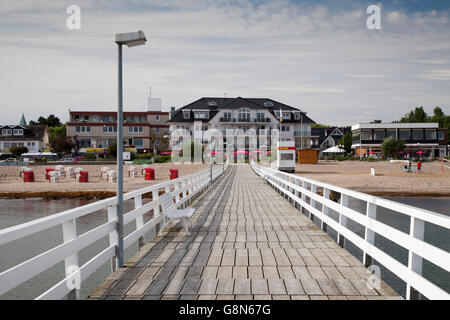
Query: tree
{"type": "Point", "coordinates": [59, 131]}
{"type": "Point", "coordinates": [346, 141]}
{"type": "Point", "coordinates": [416, 115]}
{"type": "Point", "coordinates": [51, 121]}
{"type": "Point", "coordinates": [18, 151]}
{"type": "Point", "coordinates": [318, 125]}
{"type": "Point", "coordinates": [392, 146]}
{"type": "Point", "coordinates": [439, 116]}
{"type": "Point", "coordinates": [112, 149]}
{"type": "Point", "coordinates": [61, 145]}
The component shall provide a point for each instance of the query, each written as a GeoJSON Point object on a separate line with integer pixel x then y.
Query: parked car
{"type": "Point", "coordinates": [78, 158]}
{"type": "Point", "coordinates": [67, 160]}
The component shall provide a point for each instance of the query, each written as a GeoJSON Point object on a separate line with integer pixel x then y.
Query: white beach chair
{"type": "Point", "coordinates": [69, 172]}
{"type": "Point", "coordinates": [104, 172]}
{"type": "Point", "coordinates": [132, 172]}
{"type": "Point", "coordinates": [111, 176]}
{"type": "Point", "coordinates": [54, 176]}
{"type": "Point", "coordinates": [170, 211]}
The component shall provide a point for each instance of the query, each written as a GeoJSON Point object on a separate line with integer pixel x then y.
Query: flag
{"type": "Point", "coordinates": [281, 116]}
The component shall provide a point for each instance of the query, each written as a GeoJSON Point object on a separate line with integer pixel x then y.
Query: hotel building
{"type": "Point", "coordinates": [244, 114]}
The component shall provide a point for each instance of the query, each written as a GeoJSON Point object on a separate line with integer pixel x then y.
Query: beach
{"type": "Point", "coordinates": [12, 185]}
{"type": "Point", "coordinates": [389, 179]}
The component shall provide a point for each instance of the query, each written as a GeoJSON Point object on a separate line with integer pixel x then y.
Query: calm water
{"type": "Point", "coordinates": [13, 212]}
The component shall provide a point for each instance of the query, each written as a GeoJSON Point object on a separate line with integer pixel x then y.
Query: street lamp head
{"type": "Point", "coordinates": [131, 39]}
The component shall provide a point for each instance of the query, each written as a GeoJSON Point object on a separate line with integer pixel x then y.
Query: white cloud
{"type": "Point", "coordinates": [321, 58]}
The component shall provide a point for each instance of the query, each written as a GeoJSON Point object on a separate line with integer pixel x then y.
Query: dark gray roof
{"type": "Point", "coordinates": [214, 104]}
{"type": "Point", "coordinates": [29, 132]}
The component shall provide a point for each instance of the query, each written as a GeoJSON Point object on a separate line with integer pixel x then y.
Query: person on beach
{"type": "Point", "coordinates": [409, 166]}
{"type": "Point", "coordinates": [419, 166]}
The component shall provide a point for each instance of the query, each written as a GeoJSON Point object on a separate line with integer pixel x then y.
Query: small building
{"type": "Point", "coordinates": [308, 156]}
{"type": "Point", "coordinates": [35, 138]}
{"type": "Point", "coordinates": [424, 139]}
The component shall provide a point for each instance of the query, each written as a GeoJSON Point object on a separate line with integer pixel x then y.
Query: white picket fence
{"type": "Point", "coordinates": [304, 192]}
{"type": "Point", "coordinates": [184, 189]}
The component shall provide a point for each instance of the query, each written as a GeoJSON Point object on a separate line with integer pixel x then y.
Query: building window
{"type": "Point", "coordinates": [286, 115]}
{"type": "Point", "coordinates": [379, 134]}
{"type": "Point", "coordinates": [366, 135]}
{"type": "Point", "coordinates": [391, 133]}
{"type": "Point", "coordinates": [158, 118]}
{"type": "Point", "coordinates": [77, 118]}
{"type": "Point", "coordinates": [297, 116]}
{"type": "Point", "coordinates": [244, 115]}
{"type": "Point", "coordinates": [157, 130]}
{"type": "Point", "coordinates": [441, 135]}
{"type": "Point", "coordinates": [6, 132]}
{"type": "Point", "coordinates": [95, 118]}
{"type": "Point", "coordinates": [404, 134]}
{"type": "Point", "coordinates": [138, 143]}
{"type": "Point", "coordinates": [104, 118]}
{"type": "Point", "coordinates": [186, 114]}
{"type": "Point", "coordinates": [201, 115]}
{"type": "Point", "coordinates": [260, 117]}
{"type": "Point", "coordinates": [18, 132]}
{"type": "Point", "coordinates": [227, 116]}
{"type": "Point", "coordinates": [417, 134]}
{"type": "Point", "coordinates": [135, 129]}
{"type": "Point", "coordinates": [136, 119]}
{"type": "Point", "coordinates": [143, 119]}
{"type": "Point", "coordinates": [285, 128]}
{"type": "Point", "coordinates": [83, 129]}
{"type": "Point", "coordinates": [86, 118]}
{"type": "Point", "coordinates": [430, 135]}
{"type": "Point", "coordinates": [111, 119]}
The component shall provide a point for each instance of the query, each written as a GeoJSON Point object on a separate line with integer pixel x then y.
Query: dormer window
{"type": "Point", "coordinates": [297, 115]}
{"type": "Point", "coordinates": [201, 115]}
{"type": "Point", "coordinates": [286, 115]}
{"type": "Point", "coordinates": [6, 132]}
{"type": "Point", "coordinates": [212, 104]}
{"type": "Point", "coordinates": [186, 114]}
{"type": "Point", "coordinates": [268, 104]}
{"type": "Point", "coordinates": [18, 132]}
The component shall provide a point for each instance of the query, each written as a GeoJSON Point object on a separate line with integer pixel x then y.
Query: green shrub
{"type": "Point", "coordinates": [162, 159]}
{"type": "Point", "coordinates": [144, 155]}
{"type": "Point", "coordinates": [89, 156]}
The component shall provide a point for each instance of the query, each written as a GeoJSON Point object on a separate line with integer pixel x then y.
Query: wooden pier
{"type": "Point", "coordinates": [247, 242]}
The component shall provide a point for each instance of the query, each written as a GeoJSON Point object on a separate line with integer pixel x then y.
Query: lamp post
{"type": "Point", "coordinates": [130, 39]}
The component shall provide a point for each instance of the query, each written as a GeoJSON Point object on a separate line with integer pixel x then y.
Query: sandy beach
{"type": "Point", "coordinates": [389, 180]}
{"type": "Point", "coordinates": [12, 185]}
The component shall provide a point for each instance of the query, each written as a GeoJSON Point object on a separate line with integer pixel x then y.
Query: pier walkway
{"type": "Point", "coordinates": [247, 242]}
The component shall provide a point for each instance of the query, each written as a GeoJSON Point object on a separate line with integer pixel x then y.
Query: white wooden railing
{"type": "Point", "coordinates": [184, 189]}
{"type": "Point", "coordinates": [300, 189]}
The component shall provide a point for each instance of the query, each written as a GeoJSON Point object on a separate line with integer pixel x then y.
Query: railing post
{"type": "Point", "coordinates": [417, 228]}
{"type": "Point", "coordinates": [371, 212]}
{"type": "Point", "coordinates": [326, 195]}
{"type": "Point", "coordinates": [156, 210]}
{"type": "Point", "coordinates": [113, 236]}
{"type": "Point", "coordinates": [71, 262]}
{"type": "Point", "coordinates": [312, 201]}
{"type": "Point", "coordinates": [342, 219]}
{"type": "Point", "coordinates": [139, 219]}
{"type": "Point", "coordinates": [303, 195]}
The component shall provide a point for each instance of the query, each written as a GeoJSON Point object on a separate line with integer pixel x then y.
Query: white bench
{"type": "Point", "coordinates": [171, 212]}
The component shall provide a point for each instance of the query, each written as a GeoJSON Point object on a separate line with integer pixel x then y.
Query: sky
{"type": "Point", "coordinates": [318, 56]}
